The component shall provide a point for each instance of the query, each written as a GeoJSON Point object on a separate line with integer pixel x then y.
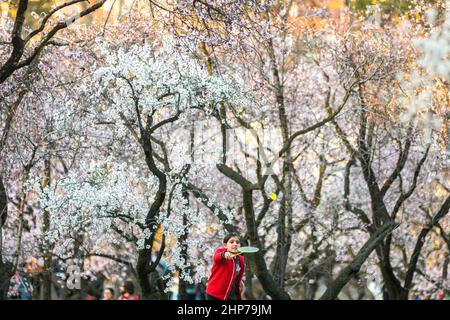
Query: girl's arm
{"type": "Point", "coordinates": [222, 256]}
{"type": "Point", "coordinates": [218, 257]}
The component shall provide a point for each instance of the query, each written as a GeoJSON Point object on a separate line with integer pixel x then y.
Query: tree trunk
{"type": "Point", "coordinates": [149, 292]}
{"type": "Point", "coordinates": [284, 226]}
{"type": "Point", "coordinates": [3, 207]}
{"type": "Point", "coordinates": [6, 268]}
{"type": "Point", "coordinates": [181, 282]}
{"type": "Point", "coordinates": [6, 272]}
{"type": "Point", "coordinates": [266, 279]}
{"type": "Point", "coordinates": [47, 275]}
{"type": "Point", "coordinates": [249, 284]}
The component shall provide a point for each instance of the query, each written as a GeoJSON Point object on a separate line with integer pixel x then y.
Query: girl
{"type": "Point", "coordinates": [225, 282]}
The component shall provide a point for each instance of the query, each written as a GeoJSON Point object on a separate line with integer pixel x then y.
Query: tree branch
{"type": "Point", "coordinates": [421, 241]}
{"type": "Point", "coordinates": [353, 268]}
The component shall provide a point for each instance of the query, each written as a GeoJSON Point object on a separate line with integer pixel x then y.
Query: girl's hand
{"type": "Point", "coordinates": [229, 256]}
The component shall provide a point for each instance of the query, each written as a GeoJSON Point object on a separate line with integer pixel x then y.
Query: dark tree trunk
{"type": "Point", "coordinates": [6, 268]}
{"type": "Point", "coordinates": [47, 275]}
{"type": "Point", "coordinates": [182, 283]}
{"type": "Point", "coordinates": [3, 205]}
{"type": "Point", "coordinates": [267, 281]}
{"type": "Point", "coordinates": [6, 272]}
{"type": "Point", "coordinates": [148, 292]}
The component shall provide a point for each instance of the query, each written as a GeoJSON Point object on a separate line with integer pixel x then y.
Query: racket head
{"type": "Point", "coordinates": [248, 249]}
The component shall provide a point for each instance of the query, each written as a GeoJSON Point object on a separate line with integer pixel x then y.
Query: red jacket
{"type": "Point", "coordinates": [222, 275]}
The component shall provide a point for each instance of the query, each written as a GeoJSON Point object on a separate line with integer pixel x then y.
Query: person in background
{"type": "Point", "coordinates": [127, 291]}
{"type": "Point", "coordinates": [19, 289]}
{"type": "Point", "coordinates": [425, 295]}
{"type": "Point", "coordinates": [108, 294]}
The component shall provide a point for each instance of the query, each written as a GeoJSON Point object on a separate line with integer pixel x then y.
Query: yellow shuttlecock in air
{"type": "Point", "coordinates": [273, 196]}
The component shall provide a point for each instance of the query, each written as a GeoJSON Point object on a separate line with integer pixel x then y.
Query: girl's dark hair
{"type": "Point", "coordinates": [231, 235]}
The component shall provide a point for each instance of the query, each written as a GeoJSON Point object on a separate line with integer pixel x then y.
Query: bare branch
{"type": "Point", "coordinates": [353, 268]}
{"type": "Point", "coordinates": [421, 241]}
